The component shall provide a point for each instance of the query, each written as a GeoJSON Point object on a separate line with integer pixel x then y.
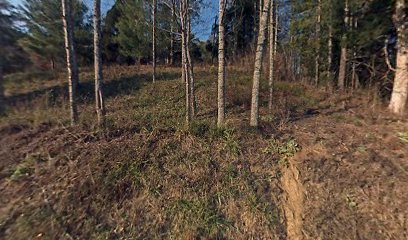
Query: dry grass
{"type": "Point", "coordinates": [147, 175]}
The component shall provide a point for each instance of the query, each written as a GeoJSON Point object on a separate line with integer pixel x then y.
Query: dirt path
{"type": "Point", "coordinates": [349, 181]}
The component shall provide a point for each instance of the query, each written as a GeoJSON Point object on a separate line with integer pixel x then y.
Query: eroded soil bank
{"type": "Point", "coordinates": [350, 179]}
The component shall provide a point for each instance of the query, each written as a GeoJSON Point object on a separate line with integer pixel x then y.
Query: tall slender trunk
{"type": "Point", "coordinates": [341, 84]}
{"type": "Point", "coordinates": [272, 49]}
{"type": "Point", "coordinates": [172, 22]}
{"type": "Point", "coordinates": [52, 63]}
{"type": "Point", "coordinates": [258, 64]}
{"type": "Point", "coordinates": [190, 67]}
{"type": "Point", "coordinates": [99, 99]}
{"type": "Point", "coordinates": [184, 49]}
{"type": "Point", "coordinates": [330, 50]}
{"type": "Point", "coordinates": [354, 80]}
{"type": "Point", "coordinates": [317, 56]}
{"type": "Point", "coordinates": [154, 10]}
{"type": "Point", "coordinates": [221, 66]}
{"type": "Point", "coordinates": [2, 100]}
{"type": "Point", "coordinates": [400, 91]}
{"type": "Point", "coordinates": [72, 67]}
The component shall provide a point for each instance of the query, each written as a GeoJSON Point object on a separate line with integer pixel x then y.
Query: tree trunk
{"type": "Point", "coordinates": [330, 52]}
{"type": "Point", "coordinates": [400, 89]}
{"type": "Point", "coordinates": [190, 67]}
{"type": "Point", "coordinates": [173, 12]}
{"type": "Point", "coordinates": [221, 66]}
{"type": "Point", "coordinates": [72, 67]}
{"type": "Point", "coordinates": [354, 79]}
{"type": "Point", "coordinates": [341, 84]}
{"type": "Point", "coordinates": [154, 10]}
{"type": "Point", "coordinates": [52, 64]}
{"type": "Point", "coordinates": [258, 64]}
{"type": "Point", "coordinates": [317, 56]}
{"type": "Point", "coordinates": [272, 49]}
{"type": "Point", "coordinates": [2, 100]}
{"type": "Point", "coordinates": [99, 99]}
{"type": "Point", "coordinates": [184, 48]}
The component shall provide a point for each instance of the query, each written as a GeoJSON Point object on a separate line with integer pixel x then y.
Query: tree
{"type": "Point", "coordinates": [154, 12]}
{"type": "Point", "coordinates": [318, 28]}
{"type": "Point", "coordinates": [184, 19]}
{"type": "Point", "coordinates": [11, 55]}
{"type": "Point", "coordinates": [330, 43]}
{"type": "Point", "coordinates": [72, 67]}
{"type": "Point", "coordinates": [99, 99]}
{"type": "Point", "coordinates": [258, 64]}
{"type": "Point", "coordinates": [341, 84]}
{"type": "Point", "coordinates": [44, 26]}
{"type": "Point", "coordinates": [172, 28]}
{"type": "Point", "coordinates": [400, 90]}
{"type": "Point", "coordinates": [133, 31]}
{"type": "Point", "coordinates": [7, 35]}
{"type": "Point", "coordinates": [186, 14]}
{"type": "Point", "coordinates": [272, 48]}
{"type": "Point", "coordinates": [221, 65]}
{"type": "Point", "coordinates": [109, 33]}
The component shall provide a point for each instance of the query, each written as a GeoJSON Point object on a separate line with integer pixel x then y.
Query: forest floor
{"type": "Point", "coordinates": [321, 166]}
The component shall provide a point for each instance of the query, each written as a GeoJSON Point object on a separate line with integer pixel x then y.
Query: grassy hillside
{"type": "Point", "coordinates": [147, 176]}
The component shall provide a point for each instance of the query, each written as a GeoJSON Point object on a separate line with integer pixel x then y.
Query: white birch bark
{"type": "Point", "coordinates": [258, 64]}
{"type": "Point", "coordinates": [72, 67]}
{"type": "Point", "coordinates": [154, 10]}
{"type": "Point", "coordinates": [221, 65]}
{"type": "Point", "coordinates": [272, 49]}
{"type": "Point", "coordinates": [400, 90]}
{"type": "Point", "coordinates": [341, 84]}
{"type": "Point", "coordinates": [2, 99]}
{"type": "Point", "coordinates": [317, 57]}
{"type": "Point", "coordinates": [99, 99]}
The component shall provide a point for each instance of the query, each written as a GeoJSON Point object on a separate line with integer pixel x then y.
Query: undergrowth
{"type": "Point", "coordinates": [148, 175]}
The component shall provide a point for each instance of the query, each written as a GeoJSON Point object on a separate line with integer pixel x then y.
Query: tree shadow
{"type": "Point", "coordinates": [119, 86]}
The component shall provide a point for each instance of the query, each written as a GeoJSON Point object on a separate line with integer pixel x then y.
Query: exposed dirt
{"type": "Point", "coordinates": [350, 179]}
{"type": "Point", "coordinates": [292, 201]}
{"type": "Point", "coordinates": [142, 181]}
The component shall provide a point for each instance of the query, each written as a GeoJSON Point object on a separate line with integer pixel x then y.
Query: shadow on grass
{"type": "Point", "coordinates": [85, 91]}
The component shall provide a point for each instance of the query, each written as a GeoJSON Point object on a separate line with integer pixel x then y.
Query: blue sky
{"type": "Point", "coordinates": [202, 29]}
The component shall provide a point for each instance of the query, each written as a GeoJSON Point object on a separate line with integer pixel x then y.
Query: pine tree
{"type": "Point", "coordinates": [133, 31]}
{"type": "Point", "coordinates": [44, 26]}
{"type": "Point", "coordinates": [10, 54]}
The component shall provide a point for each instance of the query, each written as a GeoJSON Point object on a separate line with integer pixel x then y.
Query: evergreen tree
{"type": "Point", "coordinates": [44, 29]}
{"type": "Point", "coordinates": [11, 55]}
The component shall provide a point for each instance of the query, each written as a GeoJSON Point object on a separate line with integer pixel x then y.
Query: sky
{"type": "Point", "coordinates": [202, 29]}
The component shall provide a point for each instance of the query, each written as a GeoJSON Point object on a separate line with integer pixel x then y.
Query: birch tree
{"type": "Point", "coordinates": [400, 89]}
{"type": "Point", "coordinates": [172, 35]}
{"type": "Point", "coordinates": [221, 65]}
{"type": "Point", "coordinates": [72, 67]}
{"type": "Point", "coordinates": [187, 69]}
{"type": "Point", "coordinates": [318, 27]}
{"type": "Point", "coordinates": [2, 102]}
{"type": "Point", "coordinates": [330, 44]}
{"type": "Point", "coordinates": [258, 64]}
{"type": "Point", "coordinates": [99, 99]}
{"type": "Point", "coordinates": [272, 49]}
{"type": "Point", "coordinates": [343, 55]}
{"type": "Point", "coordinates": [154, 11]}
